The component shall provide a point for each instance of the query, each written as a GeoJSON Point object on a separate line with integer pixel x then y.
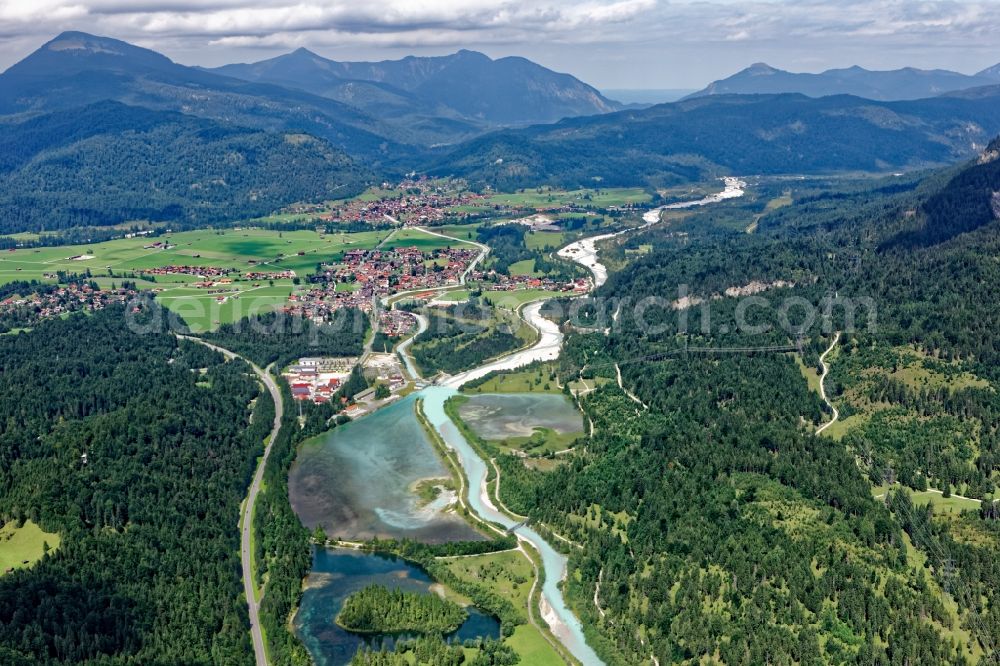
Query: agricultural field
{"type": "Point", "coordinates": [230, 248]}
{"type": "Point", "coordinates": [204, 311]}
{"type": "Point", "coordinates": [242, 250]}
{"type": "Point", "coordinates": [459, 231]}
{"type": "Point", "coordinates": [411, 237]}
{"type": "Point", "coordinates": [23, 546]}
{"type": "Point", "coordinates": [544, 197]}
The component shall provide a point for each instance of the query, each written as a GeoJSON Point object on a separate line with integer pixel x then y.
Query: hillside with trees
{"type": "Point", "coordinates": [716, 524]}
{"type": "Point", "coordinates": [106, 164]}
{"type": "Point", "coordinates": [137, 450]}
{"type": "Point", "coordinates": [696, 139]}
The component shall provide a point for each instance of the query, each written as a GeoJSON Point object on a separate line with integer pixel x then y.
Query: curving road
{"type": "Point", "coordinates": [260, 652]}
{"type": "Point", "coordinates": [822, 385]}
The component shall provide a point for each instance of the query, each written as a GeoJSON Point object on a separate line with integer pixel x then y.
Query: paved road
{"type": "Point", "coordinates": [822, 385]}
{"type": "Point", "coordinates": [260, 652]}
{"type": "Point", "coordinates": [484, 250]}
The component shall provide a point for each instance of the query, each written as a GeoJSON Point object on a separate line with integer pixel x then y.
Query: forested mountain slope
{"type": "Point", "coordinates": [755, 134]}
{"type": "Point", "coordinates": [716, 524]}
{"type": "Point", "coordinates": [109, 163]}
{"type": "Point", "coordinates": [466, 84]}
{"type": "Point", "coordinates": [76, 69]}
{"type": "Point", "coordinates": [148, 570]}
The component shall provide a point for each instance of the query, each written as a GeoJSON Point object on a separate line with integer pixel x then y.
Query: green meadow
{"type": "Point", "coordinates": [243, 249]}
{"type": "Point", "coordinates": [23, 546]}
{"type": "Point", "coordinates": [411, 237]}
{"type": "Point", "coordinates": [258, 250]}
{"type": "Point", "coordinates": [544, 197]}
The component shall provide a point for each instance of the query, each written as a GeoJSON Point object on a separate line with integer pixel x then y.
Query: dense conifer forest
{"type": "Point", "coordinates": [377, 609]}
{"type": "Point", "coordinates": [718, 524]}
{"type": "Point", "coordinates": [137, 449]}
{"type": "Point", "coordinates": [279, 338]}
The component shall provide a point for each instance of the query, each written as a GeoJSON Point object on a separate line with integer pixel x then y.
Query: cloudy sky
{"type": "Point", "coordinates": [609, 43]}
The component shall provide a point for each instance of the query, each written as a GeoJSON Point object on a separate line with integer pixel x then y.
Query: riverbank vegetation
{"type": "Point", "coordinates": [376, 609]}
{"type": "Point", "coordinates": [511, 254]}
{"type": "Point", "coordinates": [433, 651]}
{"type": "Point", "coordinates": [462, 336]}
{"type": "Point", "coordinates": [535, 378]}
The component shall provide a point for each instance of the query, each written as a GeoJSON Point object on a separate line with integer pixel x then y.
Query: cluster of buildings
{"type": "Point", "coordinates": [419, 201]}
{"type": "Point", "coordinates": [317, 379]}
{"type": "Point", "coordinates": [402, 268]}
{"type": "Point", "coordinates": [74, 297]}
{"type": "Point", "coordinates": [396, 323]}
{"type": "Point", "coordinates": [198, 271]}
{"type": "Point", "coordinates": [499, 282]}
{"type": "Point", "coordinates": [271, 275]}
{"type": "Point", "coordinates": [159, 245]}
{"type": "Point", "coordinates": [369, 275]}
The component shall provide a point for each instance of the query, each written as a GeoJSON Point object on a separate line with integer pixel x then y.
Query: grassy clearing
{"type": "Point", "coordinates": [524, 267]}
{"type": "Point", "coordinates": [843, 425]}
{"type": "Point", "coordinates": [546, 240]}
{"type": "Point", "coordinates": [21, 547]}
{"type": "Point", "coordinates": [515, 299]}
{"type": "Point", "coordinates": [538, 379]}
{"type": "Point", "coordinates": [948, 508]}
{"type": "Point", "coordinates": [774, 204]}
{"type": "Point", "coordinates": [510, 574]}
{"type": "Point", "coordinates": [455, 295]}
{"type": "Point", "coordinates": [944, 505]}
{"type": "Point", "coordinates": [809, 374]}
{"type": "Point", "coordinates": [529, 643]}
{"type": "Point", "coordinates": [410, 237]}
{"type": "Point", "coordinates": [543, 441]}
{"type": "Point", "coordinates": [545, 197]}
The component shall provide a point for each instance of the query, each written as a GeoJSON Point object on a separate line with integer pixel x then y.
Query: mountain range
{"type": "Point", "coordinates": [85, 110]}
{"type": "Point", "coordinates": [466, 85]}
{"type": "Point", "coordinates": [743, 134]}
{"type": "Point", "coordinates": [900, 84]}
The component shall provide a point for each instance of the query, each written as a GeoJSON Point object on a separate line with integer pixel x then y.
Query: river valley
{"type": "Point", "coordinates": [357, 481]}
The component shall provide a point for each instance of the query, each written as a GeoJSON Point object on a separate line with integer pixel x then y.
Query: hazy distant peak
{"type": "Point", "coordinates": [901, 84]}
{"type": "Point", "coordinates": [304, 52]}
{"type": "Point", "coordinates": [761, 69]}
{"type": "Point", "coordinates": [991, 72]}
{"type": "Point", "coordinates": [84, 43]}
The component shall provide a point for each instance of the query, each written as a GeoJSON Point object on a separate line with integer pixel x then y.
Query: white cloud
{"type": "Point", "coordinates": [707, 38]}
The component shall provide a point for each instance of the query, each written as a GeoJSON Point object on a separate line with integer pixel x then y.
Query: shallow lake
{"type": "Point", "coordinates": [497, 416]}
{"type": "Point", "coordinates": [356, 481]}
{"type": "Point", "coordinates": [336, 574]}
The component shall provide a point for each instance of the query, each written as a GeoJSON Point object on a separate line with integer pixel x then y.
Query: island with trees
{"type": "Point", "coordinates": [378, 610]}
